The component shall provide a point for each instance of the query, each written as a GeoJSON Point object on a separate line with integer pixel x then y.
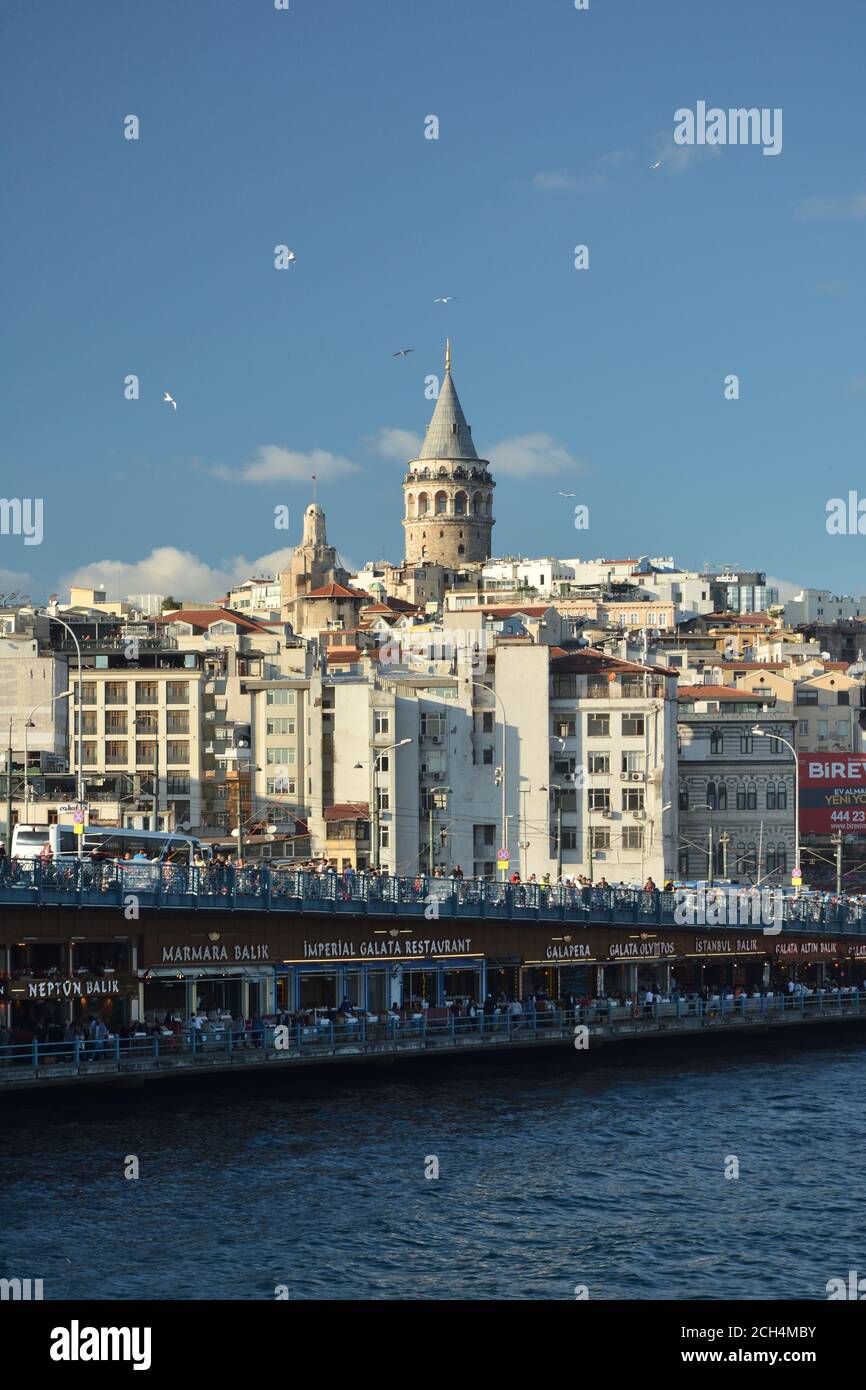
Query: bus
{"type": "Point", "coordinates": [111, 841]}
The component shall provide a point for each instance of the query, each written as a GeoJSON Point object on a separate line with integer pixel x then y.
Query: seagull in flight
{"type": "Point", "coordinates": [657, 165]}
{"type": "Point", "coordinates": [169, 400]}
{"type": "Point", "coordinates": [404, 352]}
{"type": "Point", "coordinates": [446, 299]}
{"type": "Point", "coordinates": [567, 494]}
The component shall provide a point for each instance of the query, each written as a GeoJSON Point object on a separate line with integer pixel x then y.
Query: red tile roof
{"type": "Point", "coordinates": [336, 591]}
{"type": "Point", "coordinates": [203, 618]}
{"type": "Point", "coordinates": [348, 810]}
{"type": "Point", "coordinates": [713, 692]}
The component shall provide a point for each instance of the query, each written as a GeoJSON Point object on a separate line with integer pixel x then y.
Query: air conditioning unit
{"type": "Point", "coordinates": [639, 815]}
{"type": "Point", "coordinates": [608, 815]}
{"type": "Point", "coordinates": [624, 776]}
{"type": "Point", "coordinates": [436, 738]}
{"type": "Point", "coordinates": [599, 854]}
{"type": "Point", "coordinates": [636, 776]}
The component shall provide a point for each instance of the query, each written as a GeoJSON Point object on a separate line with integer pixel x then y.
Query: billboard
{"type": "Point", "coordinates": [832, 793]}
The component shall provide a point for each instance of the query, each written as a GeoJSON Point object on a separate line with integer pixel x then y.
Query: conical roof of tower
{"type": "Point", "coordinates": [448, 435]}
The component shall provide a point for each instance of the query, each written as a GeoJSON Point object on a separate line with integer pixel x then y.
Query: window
{"type": "Point", "coordinates": [563, 767]}
{"type": "Point", "coordinates": [803, 727]}
{"type": "Point", "coordinates": [280, 726]}
{"type": "Point", "coordinates": [177, 722]}
{"type": "Point", "coordinates": [751, 797]}
{"type": "Point", "coordinates": [146, 693]}
{"type": "Point", "coordinates": [115, 692]}
{"type": "Point", "coordinates": [806, 697]}
{"type": "Point", "coordinates": [599, 762]}
{"type": "Point", "coordinates": [487, 723]}
{"type": "Point", "coordinates": [599, 799]}
{"type": "Point", "coordinates": [771, 797]}
{"type": "Point", "coordinates": [722, 793]}
{"type": "Point", "coordinates": [684, 797]}
{"type": "Point", "coordinates": [632, 762]}
{"type": "Point", "coordinates": [145, 751]}
{"type": "Point", "coordinates": [598, 726]}
{"type": "Point", "coordinates": [822, 728]}
{"type": "Point", "coordinates": [384, 836]}
{"type": "Point", "coordinates": [274, 756]}
{"type": "Point", "coordinates": [177, 751]}
{"type": "Point", "coordinates": [563, 687]}
{"type": "Point", "coordinates": [841, 728]}
{"type": "Point", "coordinates": [563, 728]}
{"type": "Point", "coordinates": [432, 725]}
{"type": "Point", "coordinates": [775, 745]}
{"type": "Point", "coordinates": [88, 722]}
{"type": "Point", "coordinates": [683, 863]}
{"type": "Point", "coordinates": [383, 798]}
{"type": "Point", "coordinates": [115, 754]}
{"type": "Point", "coordinates": [88, 693]}
{"type": "Point", "coordinates": [843, 697]}
{"type": "Point", "coordinates": [487, 757]}
{"type": "Point", "coordinates": [279, 697]}
{"type": "Point", "coordinates": [782, 858]}
{"type": "Point", "coordinates": [632, 837]}
{"type": "Point", "coordinates": [115, 721]}
{"type": "Point", "coordinates": [717, 741]}
{"type": "Point", "coordinates": [632, 726]}
{"type": "Point", "coordinates": [741, 796]}
{"type": "Point", "coordinates": [781, 797]}
{"type": "Point", "coordinates": [280, 785]}
{"type": "Point", "coordinates": [632, 798]}
{"type": "Point", "coordinates": [177, 784]}
{"type": "Point", "coordinates": [711, 795]}
{"type": "Point", "coordinates": [147, 723]}
{"type": "Point", "coordinates": [599, 837]}
{"type": "Point", "coordinates": [747, 743]}
{"type": "Point", "coordinates": [381, 722]}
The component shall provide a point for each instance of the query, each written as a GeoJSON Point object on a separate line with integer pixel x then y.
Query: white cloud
{"type": "Point", "coordinates": [527, 455]}
{"type": "Point", "coordinates": [399, 445]}
{"type": "Point", "coordinates": [167, 570]}
{"type": "Point", "coordinates": [555, 178]}
{"type": "Point", "coordinates": [677, 158]}
{"type": "Point", "coordinates": [847, 206]}
{"type": "Point", "coordinates": [787, 590]}
{"type": "Point", "coordinates": [273, 464]}
{"type": "Point", "coordinates": [12, 581]}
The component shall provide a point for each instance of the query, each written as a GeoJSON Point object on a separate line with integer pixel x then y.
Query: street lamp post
{"type": "Point", "coordinates": [705, 806]}
{"type": "Point", "coordinates": [765, 733]}
{"type": "Point", "coordinates": [374, 802]}
{"type": "Point", "coordinates": [78, 703]}
{"type": "Point", "coordinates": [490, 691]}
{"type": "Point", "coordinates": [28, 724]}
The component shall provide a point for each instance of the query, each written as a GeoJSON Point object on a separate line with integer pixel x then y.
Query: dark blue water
{"type": "Point", "coordinates": [558, 1172]}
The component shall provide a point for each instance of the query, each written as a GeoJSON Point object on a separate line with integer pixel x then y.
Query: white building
{"type": "Point", "coordinates": [822, 606]}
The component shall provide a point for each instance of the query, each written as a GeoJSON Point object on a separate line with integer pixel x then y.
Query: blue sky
{"type": "Point", "coordinates": [306, 128]}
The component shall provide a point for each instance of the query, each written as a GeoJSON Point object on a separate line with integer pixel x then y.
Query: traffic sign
{"type": "Point", "coordinates": [502, 863]}
{"type": "Point", "coordinates": [502, 853]}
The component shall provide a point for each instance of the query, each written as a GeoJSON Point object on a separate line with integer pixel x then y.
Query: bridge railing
{"type": "Point", "coordinates": [371, 1032]}
{"type": "Point", "coordinates": [260, 888]}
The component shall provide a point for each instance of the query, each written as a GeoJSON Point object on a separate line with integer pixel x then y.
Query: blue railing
{"type": "Point", "coordinates": [373, 1034]}
{"type": "Point", "coordinates": [80, 883]}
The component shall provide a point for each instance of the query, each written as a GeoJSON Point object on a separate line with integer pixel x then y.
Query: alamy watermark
{"type": "Point", "coordinates": [731, 907]}
{"type": "Point", "coordinates": [22, 516]}
{"type": "Point", "coordinates": [737, 126]}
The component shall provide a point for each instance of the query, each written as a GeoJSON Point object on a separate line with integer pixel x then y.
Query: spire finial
{"type": "Point", "coordinates": [313, 476]}
{"type": "Point", "coordinates": [447, 354]}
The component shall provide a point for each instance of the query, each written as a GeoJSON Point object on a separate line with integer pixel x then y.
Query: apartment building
{"type": "Point", "coordinates": [736, 788]}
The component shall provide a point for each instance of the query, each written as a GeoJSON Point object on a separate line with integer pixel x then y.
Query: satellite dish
{"type": "Point", "coordinates": [825, 656]}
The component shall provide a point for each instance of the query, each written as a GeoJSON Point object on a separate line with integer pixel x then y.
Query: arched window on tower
{"type": "Point", "coordinates": [477, 505]}
{"type": "Point", "coordinates": [423, 504]}
{"type": "Point", "coordinates": [441, 503]}
{"type": "Point", "coordinates": [410, 504]}
{"type": "Point", "coordinates": [460, 504]}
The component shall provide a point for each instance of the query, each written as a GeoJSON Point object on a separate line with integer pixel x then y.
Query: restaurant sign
{"type": "Point", "coordinates": [178, 955]}
{"type": "Point", "coordinates": [387, 946]}
{"type": "Point", "coordinates": [637, 949]}
{"type": "Point", "coordinates": [727, 945]}
{"type": "Point", "coordinates": [68, 989]}
{"type": "Point", "coordinates": [803, 950]}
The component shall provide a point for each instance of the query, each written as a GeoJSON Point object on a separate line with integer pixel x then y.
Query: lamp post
{"type": "Point", "coordinates": [374, 800]}
{"type": "Point", "coordinates": [78, 704]}
{"type": "Point", "coordinates": [28, 724]}
{"type": "Point", "coordinates": [705, 806]}
{"type": "Point", "coordinates": [559, 789]}
{"type": "Point", "coordinates": [504, 765]}
{"type": "Point", "coordinates": [765, 733]}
